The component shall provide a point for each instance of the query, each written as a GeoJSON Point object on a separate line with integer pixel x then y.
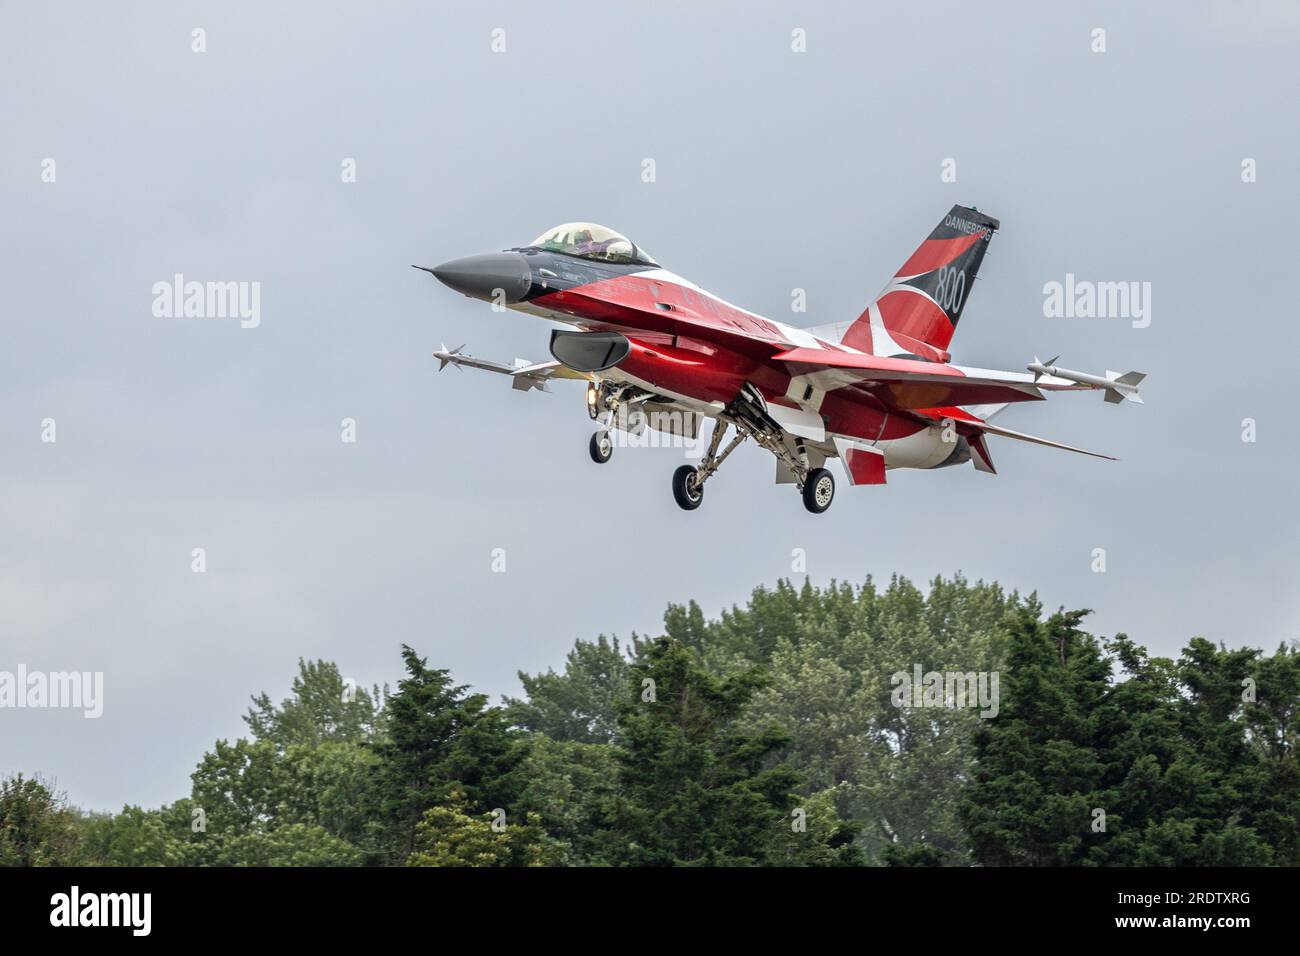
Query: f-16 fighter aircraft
{"type": "Point", "coordinates": [879, 392]}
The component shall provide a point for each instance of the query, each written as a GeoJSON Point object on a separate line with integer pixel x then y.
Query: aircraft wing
{"type": "Point", "coordinates": [909, 384]}
{"type": "Point", "coordinates": [973, 429]}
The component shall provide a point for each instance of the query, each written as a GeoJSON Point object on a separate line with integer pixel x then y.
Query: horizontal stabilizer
{"type": "Point", "coordinates": [1021, 436]}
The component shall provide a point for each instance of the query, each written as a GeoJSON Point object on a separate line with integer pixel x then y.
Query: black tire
{"type": "Point", "coordinates": [818, 490]}
{"type": "Point", "coordinates": [687, 493]}
{"type": "Point", "coordinates": [601, 447]}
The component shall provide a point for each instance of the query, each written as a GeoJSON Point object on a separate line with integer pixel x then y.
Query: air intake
{"type": "Point", "coordinates": [589, 351]}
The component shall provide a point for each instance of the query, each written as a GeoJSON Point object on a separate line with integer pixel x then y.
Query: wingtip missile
{"type": "Point", "coordinates": [446, 356]}
{"type": "Point", "coordinates": [1118, 388]}
{"type": "Point", "coordinates": [1038, 364]}
{"type": "Point", "coordinates": [1125, 387]}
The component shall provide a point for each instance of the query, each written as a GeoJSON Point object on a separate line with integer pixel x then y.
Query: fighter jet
{"type": "Point", "coordinates": [879, 392]}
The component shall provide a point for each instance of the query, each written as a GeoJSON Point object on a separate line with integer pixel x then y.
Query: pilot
{"type": "Point", "coordinates": [582, 242]}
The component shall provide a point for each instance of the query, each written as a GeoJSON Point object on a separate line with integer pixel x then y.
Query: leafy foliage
{"type": "Point", "coordinates": [1155, 769]}
{"type": "Point", "coordinates": [577, 705]}
{"type": "Point", "coordinates": [36, 826]}
{"type": "Point", "coordinates": [441, 741]}
{"type": "Point", "coordinates": [769, 735]}
{"type": "Point", "coordinates": [450, 835]}
{"type": "Point", "coordinates": [694, 787]}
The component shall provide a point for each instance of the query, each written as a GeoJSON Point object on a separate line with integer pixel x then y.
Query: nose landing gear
{"type": "Point", "coordinates": [601, 446]}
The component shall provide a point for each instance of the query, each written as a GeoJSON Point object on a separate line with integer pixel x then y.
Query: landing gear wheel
{"type": "Point", "coordinates": [688, 493]}
{"type": "Point", "coordinates": [601, 447]}
{"type": "Point", "coordinates": [818, 490]}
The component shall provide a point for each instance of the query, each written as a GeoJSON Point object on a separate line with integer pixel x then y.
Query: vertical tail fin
{"type": "Point", "coordinates": [918, 311]}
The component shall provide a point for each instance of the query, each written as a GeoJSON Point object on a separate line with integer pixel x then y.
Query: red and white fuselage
{"type": "Point", "coordinates": [879, 392]}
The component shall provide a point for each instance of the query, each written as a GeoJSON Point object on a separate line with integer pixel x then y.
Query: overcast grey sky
{"type": "Point", "coordinates": [775, 170]}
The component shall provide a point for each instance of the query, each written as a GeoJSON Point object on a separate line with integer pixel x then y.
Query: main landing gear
{"type": "Point", "coordinates": [816, 485]}
{"type": "Point", "coordinates": [688, 480]}
{"type": "Point", "coordinates": [687, 487]}
{"type": "Point", "coordinates": [747, 414]}
{"type": "Point", "coordinates": [818, 490]}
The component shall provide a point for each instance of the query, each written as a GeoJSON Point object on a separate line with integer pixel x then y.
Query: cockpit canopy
{"type": "Point", "coordinates": [590, 241]}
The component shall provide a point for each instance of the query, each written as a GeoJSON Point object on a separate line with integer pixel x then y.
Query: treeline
{"type": "Point", "coordinates": [773, 735]}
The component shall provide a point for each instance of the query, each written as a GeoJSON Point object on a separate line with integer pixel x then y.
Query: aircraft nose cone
{"type": "Point", "coordinates": [503, 274]}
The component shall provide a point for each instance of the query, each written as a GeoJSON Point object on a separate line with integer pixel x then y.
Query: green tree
{"type": "Point", "coordinates": [310, 769]}
{"type": "Point", "coordinates": [441, 740]}
{"type": "Point", "coordinates": [323, 707]}
{"type": "Point", "coordinates": [816, 835]}
{"type": "Point", "coordinates": [767, 736]}
{"type": "Point", "coordinates": [1272, 716]}
{"type": "Point", "coordinates": [569, 786]}
{"type": "Point", "coordinates": [293, 844]}
{"type": "Point", "coordinates": [452, 835]}
{"type": "Point", "coordinates": [133, 837]}
{"type": "Point", "coordinates": [577, 705]}
{"type": "Point", "coordinates": [897, 772]}
{"type": "Point", "coordinates": [1154, 769]}
{"type": "Point", "coordinates": [37, 828]}
{"type": "Point", "coordinates": [1038, 776]}
{"type": "Point", "coordinates": [1178, 768]}
{"type": "Point", "coordinates": [694, 788]}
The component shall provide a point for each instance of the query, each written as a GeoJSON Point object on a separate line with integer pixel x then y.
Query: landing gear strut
{"type": "Point", "coordinates": [688, 481]}
{"type": "Point", "coordinates": [609, 400]}
{"type": "Point", "coordinates": [748, 413]}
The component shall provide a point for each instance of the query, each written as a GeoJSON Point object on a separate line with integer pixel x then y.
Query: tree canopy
{"type": "Point", "coordinates": [837, 726]}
